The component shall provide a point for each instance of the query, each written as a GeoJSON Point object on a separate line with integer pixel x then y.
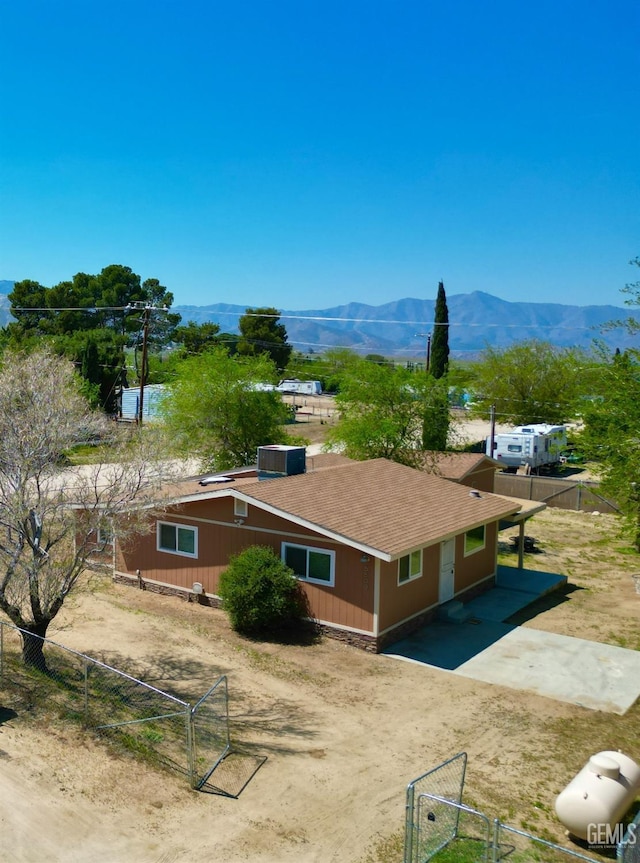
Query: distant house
{"type": "Point", "coordinates": [377, 546]}
{"type": "Point", "coordinates": [468, 468]}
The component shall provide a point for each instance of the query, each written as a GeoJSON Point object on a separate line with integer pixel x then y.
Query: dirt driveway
{"type": "Point", "coordinates": [343, 731]}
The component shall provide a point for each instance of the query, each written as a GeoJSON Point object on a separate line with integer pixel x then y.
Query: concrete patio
{"type": "Point", "coordinates": [485, 647]}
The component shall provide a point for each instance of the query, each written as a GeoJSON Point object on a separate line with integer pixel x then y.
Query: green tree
{"type": "Point", "coordinates": [262, 333]}
{"type": "Point", "coordinates": [530, 382]}
{"type": "Point", "coordinates": [436, 416]}
{"type": "Point", "coordinates": [115, 288]}
{"type": "Point", "coordinates": [332, 366]}
{"type": "Point", "coordinates": [260, 593]}
{"type": "Point", "coordinates": [611, 436]}
{"type": "Point", "coordinates": [28, 306]}
{"type": "Point", "coordinates": [379, 359]}
{"type": "Point", "coordinates": [110, 304]}
{"type": "Point", "coordinates": [50, 518]}
{"type": "Point", "coordinates": [440, 342]}
{"type": "Point", "coordinates": [163, 322]}
{"type": "Point", "coordinates": [213, 410]}
{"type": "Point", "coordinates": [100, 358]}
{"type": "Point", "coordinates": [195, 338]}
{"type": "Point", "coordinates": [611, 433]}
{"type": "Point", "coordinates": [390, 413]}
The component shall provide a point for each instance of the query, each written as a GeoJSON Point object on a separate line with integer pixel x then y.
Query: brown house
{"type": "Point", "coordinates": [378, 546]}
{"type": "Point", "coordinates": [468, 468]}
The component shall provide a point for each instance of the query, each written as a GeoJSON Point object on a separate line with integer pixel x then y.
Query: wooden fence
{"type": "Point", "coordinates": [580, 495]}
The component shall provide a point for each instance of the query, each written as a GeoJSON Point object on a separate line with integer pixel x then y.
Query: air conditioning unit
{"type": "Point", "coordinates": [281, 460]}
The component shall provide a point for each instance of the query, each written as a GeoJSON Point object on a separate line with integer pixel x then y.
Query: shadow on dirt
{"type": "Point", "coordinates": [545, 603]}
{"type": "Point", "coordinates": [7, 714]}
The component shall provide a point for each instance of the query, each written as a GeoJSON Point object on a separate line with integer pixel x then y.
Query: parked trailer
{"type": "Point", "coordinates": [305, 388]}
{"type": "Point", "coordinates": [537, 445]}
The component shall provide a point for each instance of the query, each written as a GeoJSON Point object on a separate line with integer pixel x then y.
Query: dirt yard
{"type": "Point", "coordinates": [343, 731]}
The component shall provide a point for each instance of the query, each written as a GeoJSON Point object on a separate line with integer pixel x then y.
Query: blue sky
{"type": "Point", "coordinates": [307, 154]}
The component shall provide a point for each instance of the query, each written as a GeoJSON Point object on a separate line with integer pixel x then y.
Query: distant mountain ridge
{"type": "Point", "coordinates": [400, 328]}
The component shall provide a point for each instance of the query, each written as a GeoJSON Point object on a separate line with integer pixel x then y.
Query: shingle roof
{"type": "Point", "coordinates": [379, 504]}
{"type": "Point", "coordinates": [456, 465]}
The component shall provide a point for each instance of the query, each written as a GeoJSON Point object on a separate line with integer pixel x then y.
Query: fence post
{"type": "Point", "coordinates": [86, 689]}
{"type": "Point", "coordinates": [1, 650]}
{"type": "Point", "coordinates": [409, 824]}
{"type": "Point", "coordinates": [191, 742]}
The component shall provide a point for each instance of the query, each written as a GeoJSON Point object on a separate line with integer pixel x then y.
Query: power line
{"type": "Point", "coordinates": [75, 309]}
{"type": "Point", "coordinates": [335, 319]}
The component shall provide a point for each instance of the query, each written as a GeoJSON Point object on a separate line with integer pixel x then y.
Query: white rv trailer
{"type": "Point", "coordinates": [305, 388]}
{"type": "Point", "coordinates": [536, 445]}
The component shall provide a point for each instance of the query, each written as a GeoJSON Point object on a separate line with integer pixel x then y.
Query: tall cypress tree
{"type": "Point", "coordinates": [440, 341]}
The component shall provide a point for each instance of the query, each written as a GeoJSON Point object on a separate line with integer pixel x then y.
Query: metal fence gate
{"type": "Point", "coordinates": [436, 818]}
{"type": "Point", "coordinates": [145, 720]}
{"type": "Point", "coordinates": [425, 835]}
{"type": "Point", "coordinates": [210, 742]}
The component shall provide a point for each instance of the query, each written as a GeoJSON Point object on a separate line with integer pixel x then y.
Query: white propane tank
{"type": "Point", "coordinates": [600, 794]}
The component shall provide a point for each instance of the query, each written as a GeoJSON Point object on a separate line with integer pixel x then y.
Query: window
{"type": "Point", "coordinates": [177, 539]}
{"type": "Point", "coordinates": [514, 447]}
{"type": "Point", "coordinates": [105, 536]}
{"type": "Point", "coordinates": [474, 539]}
{"type": "Point", "coordinates": [240, 507]}
{"type": "Point", "coordinates": [410, 566]}
{"type": "Point", "coordinates": [315, 565]}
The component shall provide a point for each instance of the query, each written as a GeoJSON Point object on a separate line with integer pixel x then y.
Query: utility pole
{"type": "Point", "coordinates": [493, 429]}
{"type": "Point", "coordinates": [428, 337]}
{"type": "Point", "coordinates": [143, 364]}
{"type": "Point", "coordinates": [146, 309]}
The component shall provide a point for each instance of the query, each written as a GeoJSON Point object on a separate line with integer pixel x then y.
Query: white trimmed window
{"type": "Point", "coordinates": [105, 536]}
{"type": "Point", "coordinates": [240, 507]}
{"type": "Point", "coordinates": [475, 539]}
{"type": "Point", "coordinates": [410, 566]}
{"type": "Point", "coordinates": [316, 565]}
{"type": "Point", "coordinates": [177, 539]}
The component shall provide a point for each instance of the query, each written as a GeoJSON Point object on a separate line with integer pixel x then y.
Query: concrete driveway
{"type": "Point", "coordinates": [592, 675]}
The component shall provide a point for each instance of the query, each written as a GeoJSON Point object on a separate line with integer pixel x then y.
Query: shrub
{"type": "Point", "coordinates": [259, 592]}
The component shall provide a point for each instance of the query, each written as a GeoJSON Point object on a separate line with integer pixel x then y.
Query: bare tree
{"type": "Point", "coordinates": [52, 518]}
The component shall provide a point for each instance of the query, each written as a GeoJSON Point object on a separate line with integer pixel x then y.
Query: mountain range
{"type": "Point", "coordinates": [400, 328]}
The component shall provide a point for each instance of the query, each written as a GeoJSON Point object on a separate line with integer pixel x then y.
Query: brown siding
{"type": "Point", "coordinates": [481, 478]}
{"type": "Point", "coordinates": [477, 566]}
{"type": "Point", "coordinates": [349, 603]}
{"type": "Point", "coordinates": [400, 601]}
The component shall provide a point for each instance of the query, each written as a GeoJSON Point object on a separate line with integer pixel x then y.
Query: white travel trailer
{"type": "Point", "coordinates": [304, 388]}
{"type": "Point", "coordinates": [537, 445]}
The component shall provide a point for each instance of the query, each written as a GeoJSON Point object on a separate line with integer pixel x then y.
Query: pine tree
{"type": "Point", "coordinates": [440, 342]}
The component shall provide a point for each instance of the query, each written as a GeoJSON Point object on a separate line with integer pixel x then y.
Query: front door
{"type": "Point", "coordinates": [447, 570]}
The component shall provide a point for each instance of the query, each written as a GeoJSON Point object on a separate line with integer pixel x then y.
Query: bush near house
{"type": "Point", "coordinates": [260, 593]}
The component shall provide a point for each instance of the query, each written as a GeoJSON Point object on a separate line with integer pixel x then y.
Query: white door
{"type": "Point", "coordinates": [447, 570]}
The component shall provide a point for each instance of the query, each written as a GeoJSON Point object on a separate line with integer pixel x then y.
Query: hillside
{"type": "Point", "coordinates": [476, 320]}
{"type": "Point", "coordinates": [397, 329]}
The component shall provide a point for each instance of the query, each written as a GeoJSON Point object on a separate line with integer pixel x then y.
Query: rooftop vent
{"type": "Point", "coordinates": [215, 480]}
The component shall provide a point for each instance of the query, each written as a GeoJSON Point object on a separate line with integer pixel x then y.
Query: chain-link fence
{"type": "Point", "coordinates": [210, 724]}
{"type": "Point", "coordinates": [425, 835]}
{"type": "Point", "coordinates": [141, 718]}
{"type": "Point", "coordinates": [440, 827]}
{"type": "Point", "coordinates": [629, 849]}
{"type": "Point", "coordinates": [518, 845]}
